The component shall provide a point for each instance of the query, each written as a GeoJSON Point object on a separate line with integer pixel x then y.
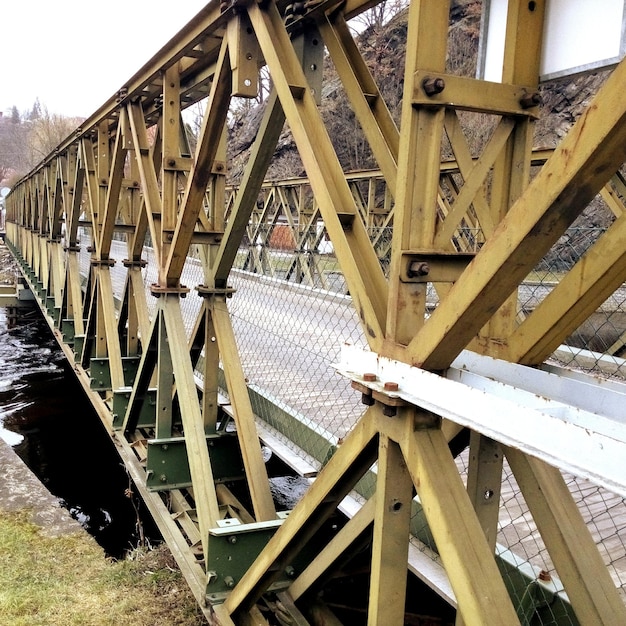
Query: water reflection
{"type": "Point", "coordinates": [48, 419]}
{"type": "Point", "coordinates": [20, 358]}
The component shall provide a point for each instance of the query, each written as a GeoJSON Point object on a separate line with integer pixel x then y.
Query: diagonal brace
{"type": "Point", "coordinates": [585, 160]}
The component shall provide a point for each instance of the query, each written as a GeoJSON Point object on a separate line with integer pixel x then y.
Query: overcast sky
{"type": "Point", "coordinates": [75, 54]}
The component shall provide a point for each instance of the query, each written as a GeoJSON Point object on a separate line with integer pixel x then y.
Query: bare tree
{"type": "Point", "coordinates": [13, 146]}
{"type": "Point", "coordinates": [375, 18]}
{"type": "Point", "coordinates": [47, 131]}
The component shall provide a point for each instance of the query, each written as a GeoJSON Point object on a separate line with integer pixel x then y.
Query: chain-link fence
{"type": "Point", "coordinates": [290, 327]}
{"type": "Point", "coordinates": [291, 314]}
{"type": "Point", "coordinates": [599, 343]}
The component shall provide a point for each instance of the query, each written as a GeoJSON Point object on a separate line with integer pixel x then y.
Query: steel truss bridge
{"type": "Point", "coordinates": [449, 447]}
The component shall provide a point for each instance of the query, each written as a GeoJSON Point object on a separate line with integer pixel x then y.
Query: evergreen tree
{"type": "Point", "coordinates": [35, 112]}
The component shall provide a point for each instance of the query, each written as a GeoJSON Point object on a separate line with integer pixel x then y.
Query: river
{"type": "Point", "coordinates": [46, 417]}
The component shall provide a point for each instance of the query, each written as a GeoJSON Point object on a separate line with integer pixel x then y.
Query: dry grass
{"type": "Point", "coordinates": [66, 581]}
{"type": "Point", "coordinates": [8, 267]}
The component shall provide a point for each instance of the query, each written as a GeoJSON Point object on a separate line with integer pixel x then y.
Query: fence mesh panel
{"type": "Point", "coordinates": [291, 314]}
{"type": "Point", "coordinates": [290, 329]}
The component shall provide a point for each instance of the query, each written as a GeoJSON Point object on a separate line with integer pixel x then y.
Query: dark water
{"type": "Point", "coordinates": [46, 417]}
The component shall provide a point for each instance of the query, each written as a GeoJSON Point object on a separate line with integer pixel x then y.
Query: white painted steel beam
{"type": "Point", "coordinates": [593, 394]}
{"type": "Point", "coordinates": [540, 413]}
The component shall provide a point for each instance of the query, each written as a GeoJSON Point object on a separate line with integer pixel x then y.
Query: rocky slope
{"type": "Point", "coordinates": [383, 48]}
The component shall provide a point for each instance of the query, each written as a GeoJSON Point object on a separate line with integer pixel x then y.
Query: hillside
{"type": "Point", "coordinates": [383, 48]}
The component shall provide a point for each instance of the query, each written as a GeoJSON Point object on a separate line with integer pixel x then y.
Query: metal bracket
{"type": "Point", "coordinates": [245, 56]}
{"type": "Point", "coordinates": [310, 48]}
{"type": "Point", "coordinates": [207, 292]}
{"type": "Point", "coordinates": [101, 374]}
{"type": "Point", "coordinates": [102, 262]}
{"type": "Point", "coordinates": [460, 92]}
{"type": "Point", "coordinates": [79, 344]}
{"type": "Point", "coordinates": [127, 263]}
{"type": "Point", "coordinates": [147, 415]}
{"type": "Point", "coordinates": [433, 267]}
{"type": "Point", "coordinates": [234, 547]}
{"type": "Point", "coordinates": [388, 394]}
{"type": "Point", "coordinates": [158, 290]}
{"type": "Point", "coordinates": [167, 465]}
{"type": "Point", "coordinates": [67, 331]}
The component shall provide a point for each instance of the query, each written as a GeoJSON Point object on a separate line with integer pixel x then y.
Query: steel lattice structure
{"type": "Point", "coordinates": [175, 398]}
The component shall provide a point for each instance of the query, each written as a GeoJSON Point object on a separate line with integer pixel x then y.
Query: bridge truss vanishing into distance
{"type": "Point", "coordinates": [466, 452]}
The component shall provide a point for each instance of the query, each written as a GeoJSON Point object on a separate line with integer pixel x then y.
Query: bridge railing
{"type": "Point", "coordinates": [291, 313]}
{"type": "Point", "coordinates": [288, 349]}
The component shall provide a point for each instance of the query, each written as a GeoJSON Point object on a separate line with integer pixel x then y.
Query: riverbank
{"type": "Point", "coordinates": [8, 266]}
{"type": "Point", "coordinates": [54, 573]}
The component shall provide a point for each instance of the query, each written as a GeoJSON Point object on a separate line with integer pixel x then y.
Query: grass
{"type": "Point", "coordinates": [281, 260]}
{"type": "Point", "coordinates": [67, 581]}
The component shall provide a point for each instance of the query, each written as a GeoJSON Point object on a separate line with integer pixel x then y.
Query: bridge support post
{"type": "Point", "coordinates": [197, 451]}
{"type": "Point", "coordinates": [394, 492]}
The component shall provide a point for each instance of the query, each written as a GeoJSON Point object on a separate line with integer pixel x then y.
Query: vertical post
{"type": "Point", "coordinates": [170, 130]}
{"type": "Point", "coordinates": [522, 55]}
{"type": "Point", "coordinates": [211, 369]}
{"type": "Point", "coordinates": [165, 384]}
{"type": "Point", "coordinates": [195, 436]}
{"type": "Point", "coordinates": [484, 481]}
{"type": "Point", "coordinates": [418, 173]}
{"type": "Point", "coordinates": [394, 491]}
